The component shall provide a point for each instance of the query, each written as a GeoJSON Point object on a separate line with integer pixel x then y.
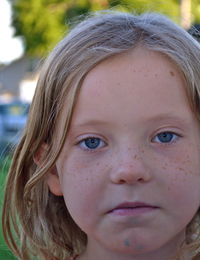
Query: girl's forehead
{"type": "Point", "coordinates": [140, 83]}
{"type": "Point", "coordinates": [137, 64]}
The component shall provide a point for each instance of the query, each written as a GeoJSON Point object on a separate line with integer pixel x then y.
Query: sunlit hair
{"type": "Point", "coordinates": [34, 220]}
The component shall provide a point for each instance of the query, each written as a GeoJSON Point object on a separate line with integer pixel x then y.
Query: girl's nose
{"type": "Point", "coordinates": [130, 170]}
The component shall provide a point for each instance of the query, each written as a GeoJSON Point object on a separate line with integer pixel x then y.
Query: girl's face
{"type": "Point", "coordinates": [130, 170]}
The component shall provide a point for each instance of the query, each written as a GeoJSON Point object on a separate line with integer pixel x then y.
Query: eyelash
{"type": "Point", "coordinates": [82, 143]}
{"type": "Point", "coordinates": [174, 137]}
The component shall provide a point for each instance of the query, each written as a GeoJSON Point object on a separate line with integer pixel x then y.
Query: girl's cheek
{"type": "Point", "coordinates": [186, 154]}
{"type": "Point", "coordinates": [176, 167]}
{"type": "Point", "coordinates": [187, 161]}
{"type": "Point", "coordinates": [83, 169]}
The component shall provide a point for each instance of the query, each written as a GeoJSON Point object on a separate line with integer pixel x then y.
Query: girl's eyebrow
{"type": "Point", "coordinates": [173, 120]}
{"type": "Point", "coordinates": [171, 117]}
{"type": "Point", "coordinates": [90, 122]}
{"type": "Point", "coordinates": [165, 117]}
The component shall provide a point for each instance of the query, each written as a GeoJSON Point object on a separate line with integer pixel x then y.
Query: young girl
{"type": "Point", "coordinates": [108, 167]}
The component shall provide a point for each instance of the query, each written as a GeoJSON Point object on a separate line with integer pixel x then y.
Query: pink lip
{"type": "Point", "coordinates": [132, 209]}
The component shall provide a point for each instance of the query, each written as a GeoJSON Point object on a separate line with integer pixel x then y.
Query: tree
{"type": "Point", "coordinates": [42, 23]}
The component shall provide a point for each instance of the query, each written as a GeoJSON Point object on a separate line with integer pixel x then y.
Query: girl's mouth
{"type": "Point", "coordinates": [132, 209]}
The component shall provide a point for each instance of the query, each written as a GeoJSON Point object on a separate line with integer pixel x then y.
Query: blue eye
{"type": "Point", "coordinates": [91, 143]}
{"type": "Point", "coordinates": [165, 137]}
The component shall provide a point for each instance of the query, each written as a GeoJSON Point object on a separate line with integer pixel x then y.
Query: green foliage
{"type": "Point", "coordinates": [5, 254]}
{"type": "Point", "coordinates": [42, 23]}
{"type": "Point", "coordinates": [196, 11]}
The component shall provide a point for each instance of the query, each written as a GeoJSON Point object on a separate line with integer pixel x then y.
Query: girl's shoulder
{"type": "Point", "coordinates": [70, 258]}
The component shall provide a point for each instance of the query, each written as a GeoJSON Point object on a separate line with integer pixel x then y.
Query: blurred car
{"type": "Point", "coordinates": [13, 118]}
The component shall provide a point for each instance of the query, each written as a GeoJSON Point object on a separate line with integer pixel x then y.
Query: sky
{"type": "Point", "coordinates": [10, 48]}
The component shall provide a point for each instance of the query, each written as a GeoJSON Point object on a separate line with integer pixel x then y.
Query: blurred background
{"type": "Point", "coordinates": [29, 29]}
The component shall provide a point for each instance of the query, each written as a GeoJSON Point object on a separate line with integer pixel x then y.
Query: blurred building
{"type": "Point", "coordinates": [18, 79]}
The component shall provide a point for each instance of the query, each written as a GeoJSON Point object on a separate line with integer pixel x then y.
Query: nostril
{"type": "Point", "coordinates": [131, 179]}
{"type": "Point", "coordinates": [122, 181]}
{"type": "Point", "coordinates": [141, 180]}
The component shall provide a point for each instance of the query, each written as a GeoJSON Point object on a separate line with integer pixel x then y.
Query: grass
{"type": "Point", "coordinates": [5, 253]}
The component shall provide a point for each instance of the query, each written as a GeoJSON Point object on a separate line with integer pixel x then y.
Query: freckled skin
{"type": "Point", "coordinates": [126, 242]}
{"type": "Point", "coordinates": [132, 165]}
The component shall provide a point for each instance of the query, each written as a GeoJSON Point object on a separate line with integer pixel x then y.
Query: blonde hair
{"type": "Point", "coordinates": [35, 222]}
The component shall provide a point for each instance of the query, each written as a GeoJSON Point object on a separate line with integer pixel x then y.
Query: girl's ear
{"type": "Point", "coordinates": [39, 156]}
{"type": "Point", "coordinates": [52, 177]}
{"type": "Point", "coordinates": [54, 182]}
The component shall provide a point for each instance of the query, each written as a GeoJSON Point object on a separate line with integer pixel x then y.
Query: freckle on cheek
{"type": "Point", "coordinates": [168, 188]}
{"type": "Point", "coordinates": [127, 242]}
